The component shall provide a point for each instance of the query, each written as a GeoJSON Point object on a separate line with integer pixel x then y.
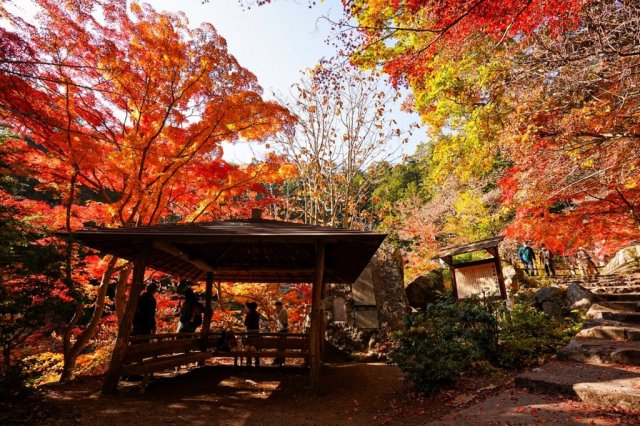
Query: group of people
{"type": "Point", "coordinates": [190, 316]}
{"type": "Point", "coordinates": [527, 256]}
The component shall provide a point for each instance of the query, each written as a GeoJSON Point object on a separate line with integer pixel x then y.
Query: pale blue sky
{"type": "Point", "coordinates": [275, 42]}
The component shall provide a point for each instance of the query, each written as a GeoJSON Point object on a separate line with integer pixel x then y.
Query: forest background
{"type": "Point", "coordinates": [116, 115]}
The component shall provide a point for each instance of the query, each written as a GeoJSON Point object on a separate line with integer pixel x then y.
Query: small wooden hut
{"type": "Point", "coordinates": [242, 251]}
{"type": "Point", "coordinates": [479, 277]}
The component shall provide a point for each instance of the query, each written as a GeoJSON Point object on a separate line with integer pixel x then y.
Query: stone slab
{"type": "Point", "coordinates": [519, 407]}
{"type": "Point", "coordinates": [608, 386]}
{"type": "Point", "coordinates": [621, 297]}
{"type": "Point", "coordinates": [610, 332]}
{"type": "Point", "coordinates": [594, 351]}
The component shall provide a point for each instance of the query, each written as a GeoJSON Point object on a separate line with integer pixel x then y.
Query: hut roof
{"type": "Point", "coordinates": [468, 248]}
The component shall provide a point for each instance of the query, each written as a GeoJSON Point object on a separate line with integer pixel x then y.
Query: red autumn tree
{"type": "Point", "coordinates": [123, 118]}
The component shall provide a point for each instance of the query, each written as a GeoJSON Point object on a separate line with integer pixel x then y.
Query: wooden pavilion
{"type": "Point", "coordinates": [242, 251]}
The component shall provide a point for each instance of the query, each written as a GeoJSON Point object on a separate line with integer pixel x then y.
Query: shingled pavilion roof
{"type": "Point", "coordinates": [253, 250]}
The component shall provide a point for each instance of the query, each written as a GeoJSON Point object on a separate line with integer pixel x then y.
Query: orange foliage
{"type": "Point", "coordinates": [124, 120]}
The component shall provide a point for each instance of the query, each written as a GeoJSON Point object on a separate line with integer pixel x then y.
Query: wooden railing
{"type": "Point", "coordinates": [159, 351]}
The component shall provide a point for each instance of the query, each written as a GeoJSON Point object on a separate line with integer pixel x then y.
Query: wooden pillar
{"type": "Point", "coordinates": [496, 256]}
{"type": "Point", "coordinates": [208, 313]}
{"type": "Point", "coordinates": [454, 286]}
{"type": "Point", "coordinates": [317, 318]}
{"type": "Point", "coordinates": [112, 378]}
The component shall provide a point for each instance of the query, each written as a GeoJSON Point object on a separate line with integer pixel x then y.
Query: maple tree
{"type": "Point", "coordinates": [576, 181]}
{"type": "Point", "coordinates": [545, 86]}
{"type": "Point", "coordinates": [125, 117]}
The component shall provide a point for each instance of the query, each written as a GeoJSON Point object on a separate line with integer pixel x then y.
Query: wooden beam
{"type": "Point", "coordinates": [180, 254]}
{"type": "Point", "coordinates": [317, 318]}
{"type": "Point", "coordinates": [112, 378]}
{"type": "Point", "coordinates": [207, 267]}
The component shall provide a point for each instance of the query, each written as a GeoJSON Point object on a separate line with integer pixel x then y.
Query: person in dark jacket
{"type": "Point", "coordinates": [252, 323]}
{"type": "Point", "coordinates": [144, 319]}
{"type": "Point", "coordinates": [190, 313]}
{"type": "Point", "coordinates": [527, 256]}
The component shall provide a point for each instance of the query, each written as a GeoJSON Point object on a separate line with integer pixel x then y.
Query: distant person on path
{"type": "Point", "coordinates": [144, 319]}
{"type": "Point", "coordinates": [546, 257]}
{"type": "Point", "coordinates": [190, 313]}
{"type": "Point", "coordinates": [527, 256]}
{"type": "Point", "coordinates": [587, 267]}
{"type": "Point", "coordinates": [282, 325]}
{"type": "Point", "coordinates": [252, 323]}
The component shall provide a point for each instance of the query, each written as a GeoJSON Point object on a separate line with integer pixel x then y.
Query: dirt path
{"type": "Point", "coordinates": [352, 394]}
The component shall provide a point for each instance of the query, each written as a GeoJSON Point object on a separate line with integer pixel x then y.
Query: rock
{"type": "Point", "coordinates": [550, 300]}
{"type": "Point", "coordinates": [387, 270]}
{"type": "Point", "coordinates": [510, 277]}
{"type": "Point", "coordinates": [625, 261]}
{"type": "Point", "coordinates": [425, 289]}
{"type": "Point", "coordinates": [601, 386]}
{"type": "Point", "coordinates": [579, 297]}
{"type": "Point", "coordinates": [546, 294]}
{"type": "Point", "coordinates": [626, 356]}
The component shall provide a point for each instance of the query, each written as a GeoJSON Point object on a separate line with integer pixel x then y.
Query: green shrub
{"type": "Point", "coordinates": [449, 339]}
{"type": "Point", "coordinates": [525, 334]}
{"type": "Point", "coordinates": [444, 341]}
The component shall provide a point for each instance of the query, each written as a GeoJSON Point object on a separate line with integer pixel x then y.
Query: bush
{"type": "Point", "coordinates": [444, 341]}
{"type": "Point", "coordinates": [449, 339]}
{"type": "Point", "coordinates": [13, 383]}
{"type": "Point", "coordinates": [525, 334]}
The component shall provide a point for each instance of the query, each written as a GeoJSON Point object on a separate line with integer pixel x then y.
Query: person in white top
{"type": "Point", "coordinates": [282, 322]}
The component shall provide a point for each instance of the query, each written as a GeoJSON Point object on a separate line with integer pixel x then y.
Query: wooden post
{"type": "Point", "coordinates": [454, 286]}
{"type": "Point", "coordinates": [208, 314]}
{"type": "Point", "coordinates": [112, 378]}
{"type": "Point", "coordinates": [317, 318]}
{"type": "Point", "coordinates": [496, 256]}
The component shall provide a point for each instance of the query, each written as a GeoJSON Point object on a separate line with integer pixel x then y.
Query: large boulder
{"type": "Point", "coordinates": [550, 300]}
{"type": "Point", "coordinates": [425, 289]}
{"type": "Point", "coordinates": [387, 272]}
{"type": "Point", "coordinates": [625, 261]}
{"type": "Point", "coordinates": [579, 297]}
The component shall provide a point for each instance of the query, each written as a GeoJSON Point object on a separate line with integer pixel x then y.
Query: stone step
{"type": "Point", "coordinates": [621, 297]}
{"type": "Point", "coordinates": [622, 306]}
{"type": "Point", "coordinates": [610, 332]}
{"type": "Point", "coordinates": [623, 289]}
{"type": "Point", "coordinates": [627, 317]}
{"type": "Point", "coordinates": [598, 351]}
{"type": "Point", "coordinates": [603, 386]}
{"type": "Point", "coordinates": [615, 311]}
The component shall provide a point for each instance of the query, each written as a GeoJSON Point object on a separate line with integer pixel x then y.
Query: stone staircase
{"type": "Point", "coordinates": [601, 364]}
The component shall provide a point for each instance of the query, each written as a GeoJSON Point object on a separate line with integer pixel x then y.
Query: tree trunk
{"type": "Point", "coordinates": [121, 291]}
{"type": "Point", "coordinates": [6, 356]}
{"type": "Point", "coordinates": [72, 351]}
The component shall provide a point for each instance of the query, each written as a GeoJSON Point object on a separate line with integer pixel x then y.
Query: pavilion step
{"type": "Point", "coordinates": [603, 386]}
{"type": "Point", "coordinates": [597, 351]}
